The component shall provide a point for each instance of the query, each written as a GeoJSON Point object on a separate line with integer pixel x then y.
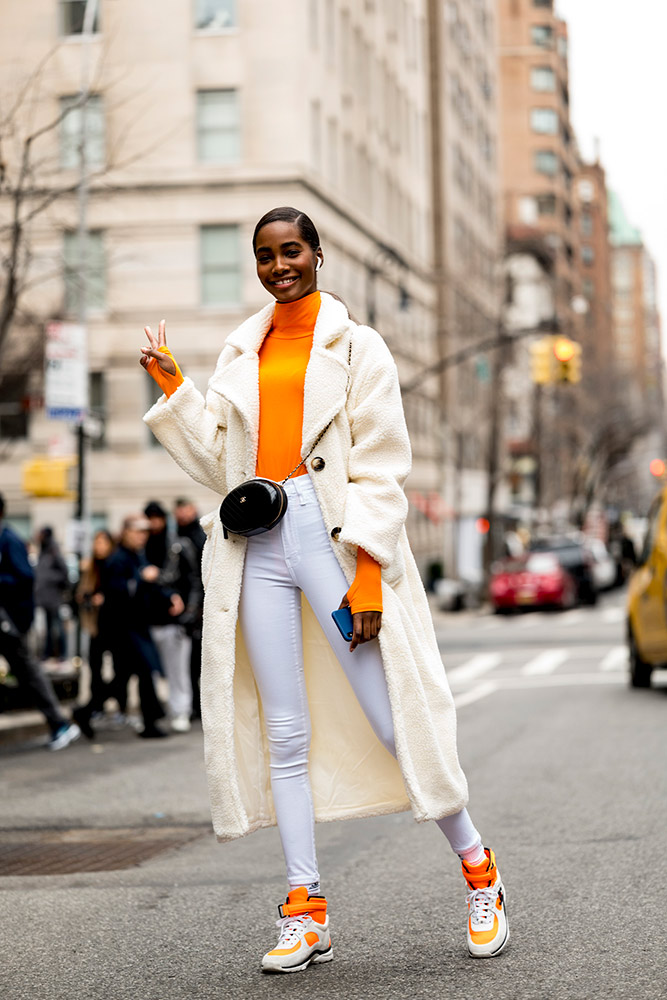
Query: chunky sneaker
{"type": "Point", "coordinates": [304, 934]}
{"type": "Point", "coordinates": [66, 734]}
{"type": "Point", "coordinates": [488, 930]}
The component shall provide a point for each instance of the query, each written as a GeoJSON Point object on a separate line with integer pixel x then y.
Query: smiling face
{"type": "Point", "coordinates": [285, 262]}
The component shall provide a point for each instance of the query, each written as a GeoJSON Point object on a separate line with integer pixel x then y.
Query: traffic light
{"type": "Point", "coordinates": [657, 468]}
{"type": "Point", "coordinates": [49, 477]}
{"type": "Point", "coordinates": [568, 360]}
{"type": "Point", "coordinates": [542, 361]}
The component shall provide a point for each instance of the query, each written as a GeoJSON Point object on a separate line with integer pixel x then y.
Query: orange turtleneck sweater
{"type": "Point", "coordinates": [283, 359]}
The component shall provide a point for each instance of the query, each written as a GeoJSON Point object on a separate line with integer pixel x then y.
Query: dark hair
{"type": "Point", "coordinates": [304, 224]}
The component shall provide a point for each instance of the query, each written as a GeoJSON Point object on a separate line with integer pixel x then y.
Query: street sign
{"type": "Point", "coordinates": [66, 379]}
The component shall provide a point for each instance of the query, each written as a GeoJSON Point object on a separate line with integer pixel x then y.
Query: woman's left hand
{"type": "Point", "coordinates": [365, 625]}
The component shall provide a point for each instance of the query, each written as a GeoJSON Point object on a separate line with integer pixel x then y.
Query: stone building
{"type": "Point", "coordinates": [200, 121]}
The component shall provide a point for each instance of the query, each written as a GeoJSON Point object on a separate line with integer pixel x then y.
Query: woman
{"type": "Point", "coordinates": [300, 381]}
{"type": "Point", "coordinates": [51, 583]}
{"type": "Point", "coordinates": [95, 621]}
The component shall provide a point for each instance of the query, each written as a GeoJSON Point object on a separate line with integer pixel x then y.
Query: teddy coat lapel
{"type": "Point", "coordinates": [326, 375]}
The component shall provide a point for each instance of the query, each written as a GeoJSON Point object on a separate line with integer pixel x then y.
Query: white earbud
{"type": "Point", "coordinates": [318, 265]}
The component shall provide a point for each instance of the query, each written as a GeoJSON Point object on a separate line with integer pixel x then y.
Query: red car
{"type": "Point", "coordinates": [536, 579]}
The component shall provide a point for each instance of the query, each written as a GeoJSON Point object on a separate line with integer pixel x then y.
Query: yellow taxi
{"type": "Point", "coordinates": [647, 599]}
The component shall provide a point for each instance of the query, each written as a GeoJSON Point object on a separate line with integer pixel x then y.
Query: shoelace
{"type": "Point", "coordinates": [289, 929]}
{"type": "Point", "coordinates": [481, 903]}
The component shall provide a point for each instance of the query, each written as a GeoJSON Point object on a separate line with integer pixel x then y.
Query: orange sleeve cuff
{"type": "Point", "coordinates": [365, 594]}
{"type": "Point", "coordinates": [168, 383]}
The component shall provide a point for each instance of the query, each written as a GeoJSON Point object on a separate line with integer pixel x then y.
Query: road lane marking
{"type": "Point", "coordinates": [545, 663]}
{"type": "Point", "coordinates": [474, 667]}
{"type": "Point", "coordinates": [616, 659]}
{"type": "Point", "coordinates": [570, 618]}
{"type": "Point", "coordinates": [475, 694]}
{"type": "Point", "coordinates": [613, 615]}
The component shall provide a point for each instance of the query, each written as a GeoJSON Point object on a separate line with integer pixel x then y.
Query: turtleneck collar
{"type": "Point", "coordinates": [296, 319]}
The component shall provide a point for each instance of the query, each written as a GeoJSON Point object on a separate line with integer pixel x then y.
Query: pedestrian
{"type": "Point", "coordinates": [129, 587]}
{"type": "Point", "coordinates": [16, 614]}
{"type": "Point", "coordinates": [188, 526]}
{"type": "Point", "coordinates": [172, 620]}
{"type": "Point", "coordinates": [303, 395]}
{"type": "Point", "coordinates": [94, 618]}
{"type": "Point", "coordinates": [51, 585]}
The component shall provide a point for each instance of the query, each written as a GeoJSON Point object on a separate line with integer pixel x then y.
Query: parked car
{"type": "Point", "coordinates": [575, 557]}
{"type": "Point", "coordinates": [604, 565]}
{"type": "Point", "coordinates": [647, 600]}
{"type": "Point", "coordinates": [533, 580]}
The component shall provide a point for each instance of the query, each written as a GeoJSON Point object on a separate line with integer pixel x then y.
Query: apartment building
{"type": "Point", "coordinates": [539, 152]}
{"type": "Point", "coordinates": [636, 320]}
{"type": "Point", "coordinates": [464, 39]}
{"type": "Point", "coordinates": [591, 209]}
{"type": "Point", "coordinates": [199, 121]}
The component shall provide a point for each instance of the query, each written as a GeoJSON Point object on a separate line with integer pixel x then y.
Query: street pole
{"type": "Point", "coordinates": [89, 17]}
{"type": "Point", "coordinates": [435, 37]}
{"type": "Point", "coordinates": [494, 440]}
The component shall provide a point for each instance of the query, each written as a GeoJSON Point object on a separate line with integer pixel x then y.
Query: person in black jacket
{"type": "Point", "coordinates": [130, 593]}
{"type": "Point", "coordinates": [188, 526]}
{"type": "Point", "coordinates": [51, 583]}
{"type": "Point", "coordinates": [16, 614]}
{"type": "Point", "coordinates": [172, 624]}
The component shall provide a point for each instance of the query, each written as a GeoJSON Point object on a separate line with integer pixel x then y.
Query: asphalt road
{"type": "Point", "coordinates": [567, 770]}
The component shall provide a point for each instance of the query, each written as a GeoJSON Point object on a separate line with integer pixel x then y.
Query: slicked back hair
{"type": "Point", "coordinates": [303, 222]}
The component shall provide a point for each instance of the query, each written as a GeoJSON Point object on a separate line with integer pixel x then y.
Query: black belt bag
{"type": "Point", "coordinates": [258, 505]}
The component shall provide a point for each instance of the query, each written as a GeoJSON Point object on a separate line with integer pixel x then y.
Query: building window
{"type": "Point", "coordinates": [586, 224]}
{"type": "Point", "coordinates": [218, 126]}
{"type": "Point", "coordinates": [546, 162]}
{"type": "Point", "coordinates": [588, 288]}
{"type": "Point", "coordinates": [543, 3]}
{"type": "Point", "coordinates": [542, 35]}
{"type": "Point", "coordinates": [215, 15]}
{"type": "Point", "coordinates": [95, 273]}
{"type": "Point", "coordinates": [98, 409]}
{"type": "Point", "coordinates": [70, 131]}
{"type": "Point", "coordinates": [315, 135]}
{"type": "Point", "coordinates": [72, 13]}
{"type": "Point", "coordinates": [543, 78]}
{"type": "Point", "coordinates": [544, 121]}
{"type": "Point", "coordinates": [587, 255]}
{"type": "Point", "coordinates": [220, 256]}
{"type": "Point", "coordinates": [13, 407]}
{"type": "Point", "coordinates": [546, 204]}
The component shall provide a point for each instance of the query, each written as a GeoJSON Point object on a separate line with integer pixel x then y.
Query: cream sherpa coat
{"type": "Point", "coordinates": [366, 455]}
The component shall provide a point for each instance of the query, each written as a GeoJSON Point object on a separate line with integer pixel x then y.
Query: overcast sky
{"type": "Point", "coordinates": [618, 85]}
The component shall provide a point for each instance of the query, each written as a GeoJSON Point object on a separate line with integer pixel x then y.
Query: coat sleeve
{"type": "Point", "coordinates": [380, 458]}
{"type": "Point", "coordinates": [194, 432]}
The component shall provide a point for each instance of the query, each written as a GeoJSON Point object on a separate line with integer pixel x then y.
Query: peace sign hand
{"type": "Point", "coordinates": [153, 356]}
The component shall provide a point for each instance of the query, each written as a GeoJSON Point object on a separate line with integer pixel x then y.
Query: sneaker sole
{"type": "Point", "coordinates": [497, 951]}
{"type": "Point", "coordinates": [315, 959]}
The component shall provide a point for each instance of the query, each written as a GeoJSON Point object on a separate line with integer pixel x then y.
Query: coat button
{"type": "Point", "coordinates": [317, 464]}
{"type": "Point", "coordinates": [335, 532]}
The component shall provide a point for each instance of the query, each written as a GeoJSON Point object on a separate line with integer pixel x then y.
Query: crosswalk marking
{"type": "Point", "coordinates": [616, 659]}
{"type": "Point", "coordinates": [613, 615]}
{"type": "Point", "coordinates": [475, 694]}
{"type": "Point", "coordinates": [570, 618]}
{"type": "Point", "coordinates": [474, 667]}
{"type": "Point", "coordinates": [545, 663]}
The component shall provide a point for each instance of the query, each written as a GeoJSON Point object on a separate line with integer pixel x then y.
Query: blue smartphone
{"type": "Point", "coordinates": [343, 619]}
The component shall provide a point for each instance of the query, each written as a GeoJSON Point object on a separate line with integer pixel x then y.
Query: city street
{"type": "Point", "coordinates": [568, 783]}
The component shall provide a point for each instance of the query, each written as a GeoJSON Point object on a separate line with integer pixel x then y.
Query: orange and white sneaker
{"type": "Point", "coordinates": [488, 930]}
{"type": "Point", "coordinates": [304, 934]}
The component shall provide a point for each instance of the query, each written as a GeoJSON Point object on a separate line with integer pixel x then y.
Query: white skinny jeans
{"type": "Point", "coordinates": [297, 556]}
